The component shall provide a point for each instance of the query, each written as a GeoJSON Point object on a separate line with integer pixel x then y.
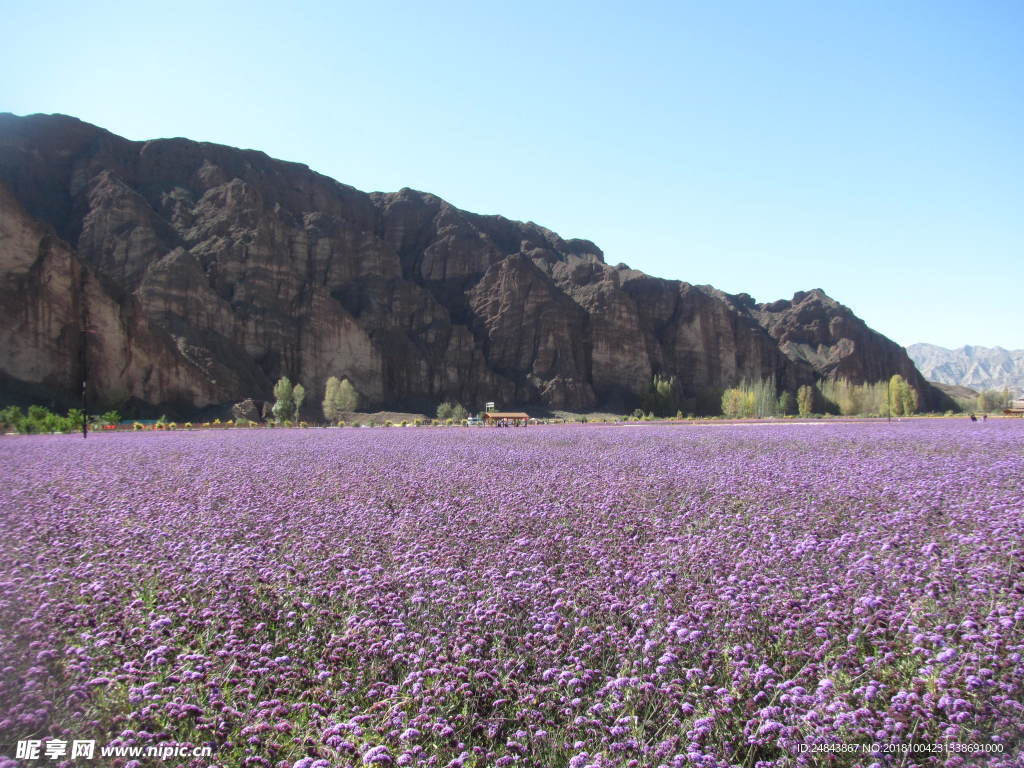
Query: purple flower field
{"type": "Point", "coordinates": [557, 596]}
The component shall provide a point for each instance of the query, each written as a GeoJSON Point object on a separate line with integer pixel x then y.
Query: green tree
{"type": "Point", "coordinates": [764, 397]}
{"type": "Point", "coordinates": [330, 403]}
{"type": "Point", "coordinates": [910, 399]}
{"type": "Point", "coordinates": [444, 411]}
{"type": "Point", "coordinates": [849, 399]}
{"type": "Point", "coordinates": [662, 399]}
{"type": "Point", "coordinates": [340, 397]}
{"type": "Point", "coordinates": [733, 403]}
{"type": "Point", "coordinates": [458, 413]}
{"type": "Point", "coordinates": [751, 398]}
{"type": "Point", "coordinates": [785, 404]}
{"type": "Point", "coordinates": [348, 397]}
{"type": "Point", "coordinates": [298, 395]}
{"type": "Point", "coordinates": [903, 399]}
{"type": "Point", "coordinates": [284, 399]}
{"type": "Point", "coordinates": [993, 400]}
{"type": "Point", "coordinates": [805, 400]}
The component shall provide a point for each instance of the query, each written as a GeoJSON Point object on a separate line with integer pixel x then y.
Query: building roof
{"type": "Point", "coordinates": [505, 415]}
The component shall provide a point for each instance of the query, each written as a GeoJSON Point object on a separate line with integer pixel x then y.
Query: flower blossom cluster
{"type": "Point", "coordinates": [582, 596]}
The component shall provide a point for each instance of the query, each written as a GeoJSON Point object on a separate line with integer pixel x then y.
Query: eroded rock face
{"type": "Point", "coordinates": [815, 329]}
{"type": "Point", "coordinates": [48, 295]}
{"type": "Point", "coordinates": [208, 272]}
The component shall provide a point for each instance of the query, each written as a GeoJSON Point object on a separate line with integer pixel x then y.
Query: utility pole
{"type": "Point", "coordinates": [82, 351]}
{"type": "Point", "coordinates": [85, 403]}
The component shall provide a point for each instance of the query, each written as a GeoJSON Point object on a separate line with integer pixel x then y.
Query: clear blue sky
{"type": "Point", "coordinates": [873, 149]}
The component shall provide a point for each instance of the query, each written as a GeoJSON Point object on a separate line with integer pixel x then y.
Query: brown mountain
{"type": "Point", "coordinates": [204, 272]}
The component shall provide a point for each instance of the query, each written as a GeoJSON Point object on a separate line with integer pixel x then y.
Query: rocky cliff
{"type": "Point", "coordinates": [202, 273]}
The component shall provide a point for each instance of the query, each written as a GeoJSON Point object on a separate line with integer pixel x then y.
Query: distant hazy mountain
{"type": "Point", "coordinates": [975, 367]}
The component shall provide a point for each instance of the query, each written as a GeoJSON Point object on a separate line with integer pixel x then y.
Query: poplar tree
{"type": "Point", "coordinates": [298, 395]}
{"type": "Point", "coordinates": [284, 399]}
{"type": "Point", "coordinates": [347, 397]}
{"type": "Point", "coordinates": [785, 404]}
{"type": "Point", "coordinates": [330, 403]}
{"type": "Point", "coordinates": [902, 396]}
{"type": "Point", "coordinates": [805, 400]}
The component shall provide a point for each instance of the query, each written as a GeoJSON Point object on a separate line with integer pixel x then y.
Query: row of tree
{"type": "Point", "coordinates": [758, 399]}
{"type": "Point", "coordinates": [41, 420]}
{"type": "Point", "coordinates": [751, 399]}
{"type": "Point", "coordinates": [988, 401]}
{"type": "Point", "coordinates": [895, 397]}
{"type": "Point", "coordinates": [339, 397]}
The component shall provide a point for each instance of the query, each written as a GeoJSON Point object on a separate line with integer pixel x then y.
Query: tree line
{"type": "Point", "coordinates": [758, 399]}
{"type": "Point", "coordinates": [755, 398]}
{"type": "Point", "coordinates": [987, 401]}
{"type": "Point", "coordinates": [340, 397]}
{"type": "Point", "coordinates": [38, 419]}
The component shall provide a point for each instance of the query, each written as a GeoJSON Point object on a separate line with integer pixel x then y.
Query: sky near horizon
{"type": "Point", "coordinates": [871, 149]}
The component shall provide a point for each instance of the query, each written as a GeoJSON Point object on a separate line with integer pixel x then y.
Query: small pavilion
{"type": "Point", "coordinates": [505, 419]}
